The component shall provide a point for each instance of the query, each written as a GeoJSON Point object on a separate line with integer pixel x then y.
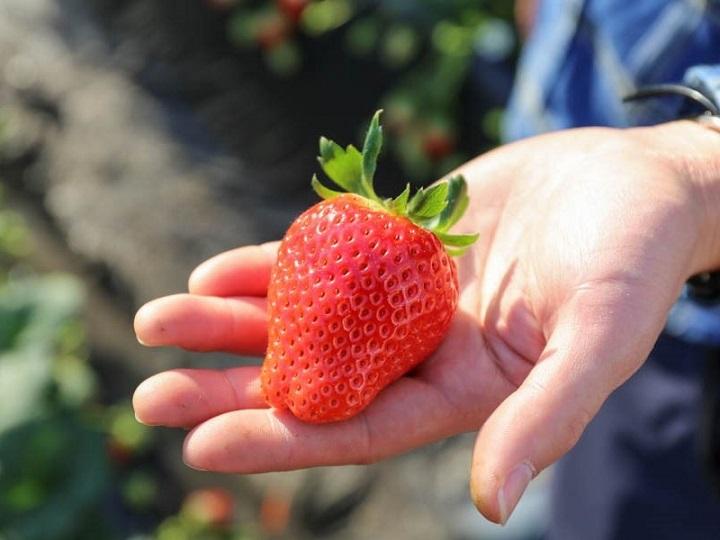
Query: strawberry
{"type": "Point", "coordinates": [363, 288]}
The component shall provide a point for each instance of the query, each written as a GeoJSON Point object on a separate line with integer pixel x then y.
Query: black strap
{"type": "Point", "coordinates": [688, 92]}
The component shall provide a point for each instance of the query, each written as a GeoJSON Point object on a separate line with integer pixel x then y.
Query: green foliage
{"type": "Point", "coordinates": [53, 462]}
{"type": "Point", "coordinates": [14, 238]}
{"type": "Point", "coordinates": [371, 152]}
{"type": "Point", "coordinates": [181, 527]}
{"type": "Point", "coordinates": [63, 454]}
{"type": "Point", "coordinates": [54, 469]}
{"type": "Point", "coordinates": [343, 166]}
{"type": "Point", "coordinates": [122, 426]}
{"type": "Point", "coordinates": [399, 204]}
{"type": "Point", "coordinates": [140, 489]}
{"type": "Point", "coordinates": [13, 235]}
{"type": "Point", "coordinates": [457, 203]}
{"type": "Point", "coordinates": [429, 202]}
{"type": "Point", "coordinates": [36, 319]}
{"type": "Point", "coordinates": [428, 44]}
{"type": "Point", "coordinates": [436, 208]}
{"type": "Point", "coordinates": [324, 16]}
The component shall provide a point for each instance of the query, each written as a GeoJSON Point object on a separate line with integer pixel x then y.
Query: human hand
{"type": "Point", "coordinates": [586, 239]}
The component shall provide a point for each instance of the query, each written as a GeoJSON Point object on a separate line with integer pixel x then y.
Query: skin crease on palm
{"type": "Point", "coordinates": [586, 237]}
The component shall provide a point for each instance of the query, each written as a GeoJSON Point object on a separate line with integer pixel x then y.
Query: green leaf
{"type": "Point", "coordinates": [343, 166]}
{"type": "Point", "coordinates": [457, 252]}
{"type": "Point", "coordinates": [56, 473]}
{"type": "Point", "coordinates": [457, 240]}
{"type": "Point", "coordinates": [33, 312]}
{"type": "Point", "coordinates": [457, 203]}
{"type": "Point", "coordinates": [436, 208]}
{"type": "Point", "coordinates": [324, 192]}
{"type": "Point", "coordinates": [399, 203]}
{"type": "Point", "coordinates": [429, 202]}
{"type": "Point", "coordinates": [371, 151]}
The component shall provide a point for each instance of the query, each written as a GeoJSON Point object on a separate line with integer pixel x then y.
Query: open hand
{"type": "Point", "coordinates": [586, 239]}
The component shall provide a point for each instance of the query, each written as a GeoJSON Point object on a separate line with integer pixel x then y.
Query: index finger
{"type": "Point", "coordinates": [244, 271]}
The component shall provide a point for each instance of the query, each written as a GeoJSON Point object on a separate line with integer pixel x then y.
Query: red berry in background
{"type": "Point", "coordinates": [213, 507]}
{"type": "Point", "coordinates": [293, 9]}
{"type": "Point", "coordinates": [438, 143]}
{"type": "Point", "coordinates": [272, 30]}
{"type": "Point", "coordinates": [118, 452]}
{"type": "Point", "coordinates": [363, 289]}
{"type": "Point", "coordinates": [275, 513]}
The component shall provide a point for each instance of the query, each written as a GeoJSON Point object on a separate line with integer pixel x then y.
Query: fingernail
{"type": "Point", "coordinates": [187, 463]}
{"type": "Point", "coordinates": [144, 423]}
{"type": "Point", "coordinates": [515, 485]}
{"type": "Point", "coordinates": [194, 467]}
{"type": "Point", "coordinates": [140, 341]}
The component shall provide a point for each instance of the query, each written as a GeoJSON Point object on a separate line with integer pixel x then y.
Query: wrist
{"type": "Point", "coordinates": [693, 149]}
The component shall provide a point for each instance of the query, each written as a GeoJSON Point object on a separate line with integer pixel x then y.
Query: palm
{"type": "Point", "coordinates": [230, 402]}
{"type": "Point", "coordinates": [562, 299]}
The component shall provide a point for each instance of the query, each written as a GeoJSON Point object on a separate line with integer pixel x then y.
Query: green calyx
{"type": "Point", "coordinates": [436, 208]}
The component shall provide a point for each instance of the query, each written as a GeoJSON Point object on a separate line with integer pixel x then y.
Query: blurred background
{"type": "Point", "coordinates": [139, 137]}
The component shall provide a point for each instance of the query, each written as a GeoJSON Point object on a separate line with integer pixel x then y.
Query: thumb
{"type": "Point", "coordinates": [594, 347]}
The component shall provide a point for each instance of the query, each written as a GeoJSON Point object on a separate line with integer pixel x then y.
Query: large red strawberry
{"type": "Point", "coordinates": [363, 289]}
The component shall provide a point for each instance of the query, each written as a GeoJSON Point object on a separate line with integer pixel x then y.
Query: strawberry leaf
{"type": "Point", "coordinates": [398, 205]}
{"type": "Point", "coordinates": [343, 166]}
{"type": "Point", "coordinates": [324, 192]}
{"type": "Point", "coordinates": [436, 208]}
{"type": "Point", "coordinates": [457, 252]}
{"type": "Point", "coordinates": [371, 151]}
{"type": "Point", "coordinates": [457, 203]}
{"type": "Point", "coordinates": [429, 202]}
{"type": "Point", "coordinates": [457, 240]}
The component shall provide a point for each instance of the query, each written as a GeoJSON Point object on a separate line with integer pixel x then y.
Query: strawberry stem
{"type": "Point", "coordinates": [436, 208]}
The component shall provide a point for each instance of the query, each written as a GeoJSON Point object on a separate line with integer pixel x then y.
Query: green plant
{"type": "Point", "coordinates": [54, 465]}
{"type": "Point", "coordinates": [67, 460]}
{"type": "Point", "coordinates": [429, 46]}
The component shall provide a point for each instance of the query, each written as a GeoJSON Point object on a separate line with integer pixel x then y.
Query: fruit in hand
{"type": "Point", "coordinates": [363, 289]}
